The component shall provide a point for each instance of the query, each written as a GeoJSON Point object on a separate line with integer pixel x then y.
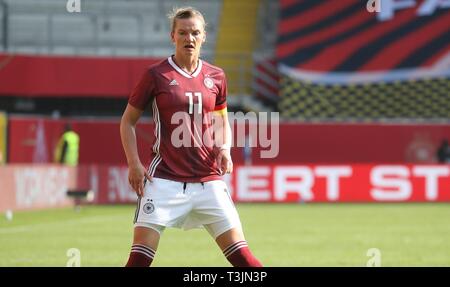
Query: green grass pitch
{"type": "Point", "coordinates": [408, 234]}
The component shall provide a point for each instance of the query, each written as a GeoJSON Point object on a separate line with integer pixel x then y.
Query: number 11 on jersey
{"type": "Point", "coordinates": [191, 101]}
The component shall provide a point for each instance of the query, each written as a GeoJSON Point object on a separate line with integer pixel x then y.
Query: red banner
{"type": "Point", "coordinates": [33, 139]}
{"type": "Point", "coordinates": [341, 183]}
{"type": "Point", "coordinates": [45, 186]}
{"type": "Point", "coordinates": [35, 186]}
{"type": "Point", "coordinates": [311, 183]}
{"type": "Point", "coordinates": [62, 76]}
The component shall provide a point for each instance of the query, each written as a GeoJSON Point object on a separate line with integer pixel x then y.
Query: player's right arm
{"type": "Point", "coordinates": [136, 170]}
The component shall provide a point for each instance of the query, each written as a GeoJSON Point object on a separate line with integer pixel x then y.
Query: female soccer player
{"type": "Point", "coordinates": [182, 186]}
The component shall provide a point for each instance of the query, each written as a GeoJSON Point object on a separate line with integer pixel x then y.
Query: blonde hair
{"type": "Point", "coordinates": [185, 13]}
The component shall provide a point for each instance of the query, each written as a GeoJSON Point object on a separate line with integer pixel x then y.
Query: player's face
{"type": "Point", "coordinates": [188, 36]}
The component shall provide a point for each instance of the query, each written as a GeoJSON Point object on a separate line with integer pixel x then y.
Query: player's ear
{"type": "Point", "coordinates": [172, 37]}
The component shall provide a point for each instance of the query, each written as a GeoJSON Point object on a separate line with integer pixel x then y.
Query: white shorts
{"type": "Point", "coordinates": [168, 203]}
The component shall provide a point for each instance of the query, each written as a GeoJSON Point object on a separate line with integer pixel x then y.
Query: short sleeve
{"type": "Point", "coordinates": [143, 93]}
{"type": "Point", "coordinates": [221, 99]}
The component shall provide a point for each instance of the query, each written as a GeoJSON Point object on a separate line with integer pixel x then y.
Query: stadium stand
{"type": "Point", "coordinates": [116, 27]}
{"type": "Point", "coordinates": [415, 100]}
{"type": "Point", "coordinates": [339, 62]}
{"type": "Point", "coordinates": [136, 28]}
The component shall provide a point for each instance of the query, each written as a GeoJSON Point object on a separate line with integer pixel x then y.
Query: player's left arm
{"type": "Point", "coordinates": [222, 137]}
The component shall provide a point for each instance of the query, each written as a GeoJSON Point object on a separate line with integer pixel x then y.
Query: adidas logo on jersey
{"type": "Point", "coordinates": [173, 83]}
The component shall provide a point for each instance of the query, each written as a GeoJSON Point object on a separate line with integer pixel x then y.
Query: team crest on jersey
{"type": "Point", "coordinates": [148, 208]}
{"type": "Point", "coordinates": [208, 83]}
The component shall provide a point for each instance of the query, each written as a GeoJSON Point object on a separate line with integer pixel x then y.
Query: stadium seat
{"type": "Point", "coordinates": [155, 31]}
{"type": "Point", "coordinates": [117, 30]}
{"type": "Point", "coordinates": [64, 50]}
{"type": "Point", "coordinates": [36, 7]}
{"type": "Point", "coordinates": [28, 49]}
{"type": "Point", "coordinates": [28, 29]}
{"type": "Point", "coordinates": [72, 30]}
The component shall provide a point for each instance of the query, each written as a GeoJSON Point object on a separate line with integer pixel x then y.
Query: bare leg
{"type": "Point", "coordinates": [235, 248]}
{"type": "Point", "coordinates": [229, 237]}
{"type": "Point", "coordinates": [145, 244]}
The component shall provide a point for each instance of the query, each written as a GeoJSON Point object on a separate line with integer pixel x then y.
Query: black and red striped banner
{"type": "Point", "coordinates": [324, 35]}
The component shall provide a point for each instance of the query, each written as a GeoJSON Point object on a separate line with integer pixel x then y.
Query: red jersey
{"type": "Point", "coordinates": [173, 92]}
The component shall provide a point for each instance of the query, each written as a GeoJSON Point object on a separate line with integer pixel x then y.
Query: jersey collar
{"type": "Point", "coordinates": [179, 70]}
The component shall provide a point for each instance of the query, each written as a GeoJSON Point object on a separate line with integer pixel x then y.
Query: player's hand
{"type": "Point", "coordinates": [224, 161]}
{"type": "Point", "coordinates": [136, 176]}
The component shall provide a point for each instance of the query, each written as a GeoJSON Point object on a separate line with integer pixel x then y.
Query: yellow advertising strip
{"type": "Point", "coordinates": [236, 41]}
{"type": "Point", "coordinates": [3, 135]}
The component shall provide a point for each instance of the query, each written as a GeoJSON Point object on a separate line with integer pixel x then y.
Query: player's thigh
{"type": "Point", "coordinates": [224, 235]}
{"type": "Point", "coordinates": [148, 235]}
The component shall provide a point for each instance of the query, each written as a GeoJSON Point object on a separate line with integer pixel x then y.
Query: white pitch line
{"type": "Point", "coordinates": [29, 228]}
